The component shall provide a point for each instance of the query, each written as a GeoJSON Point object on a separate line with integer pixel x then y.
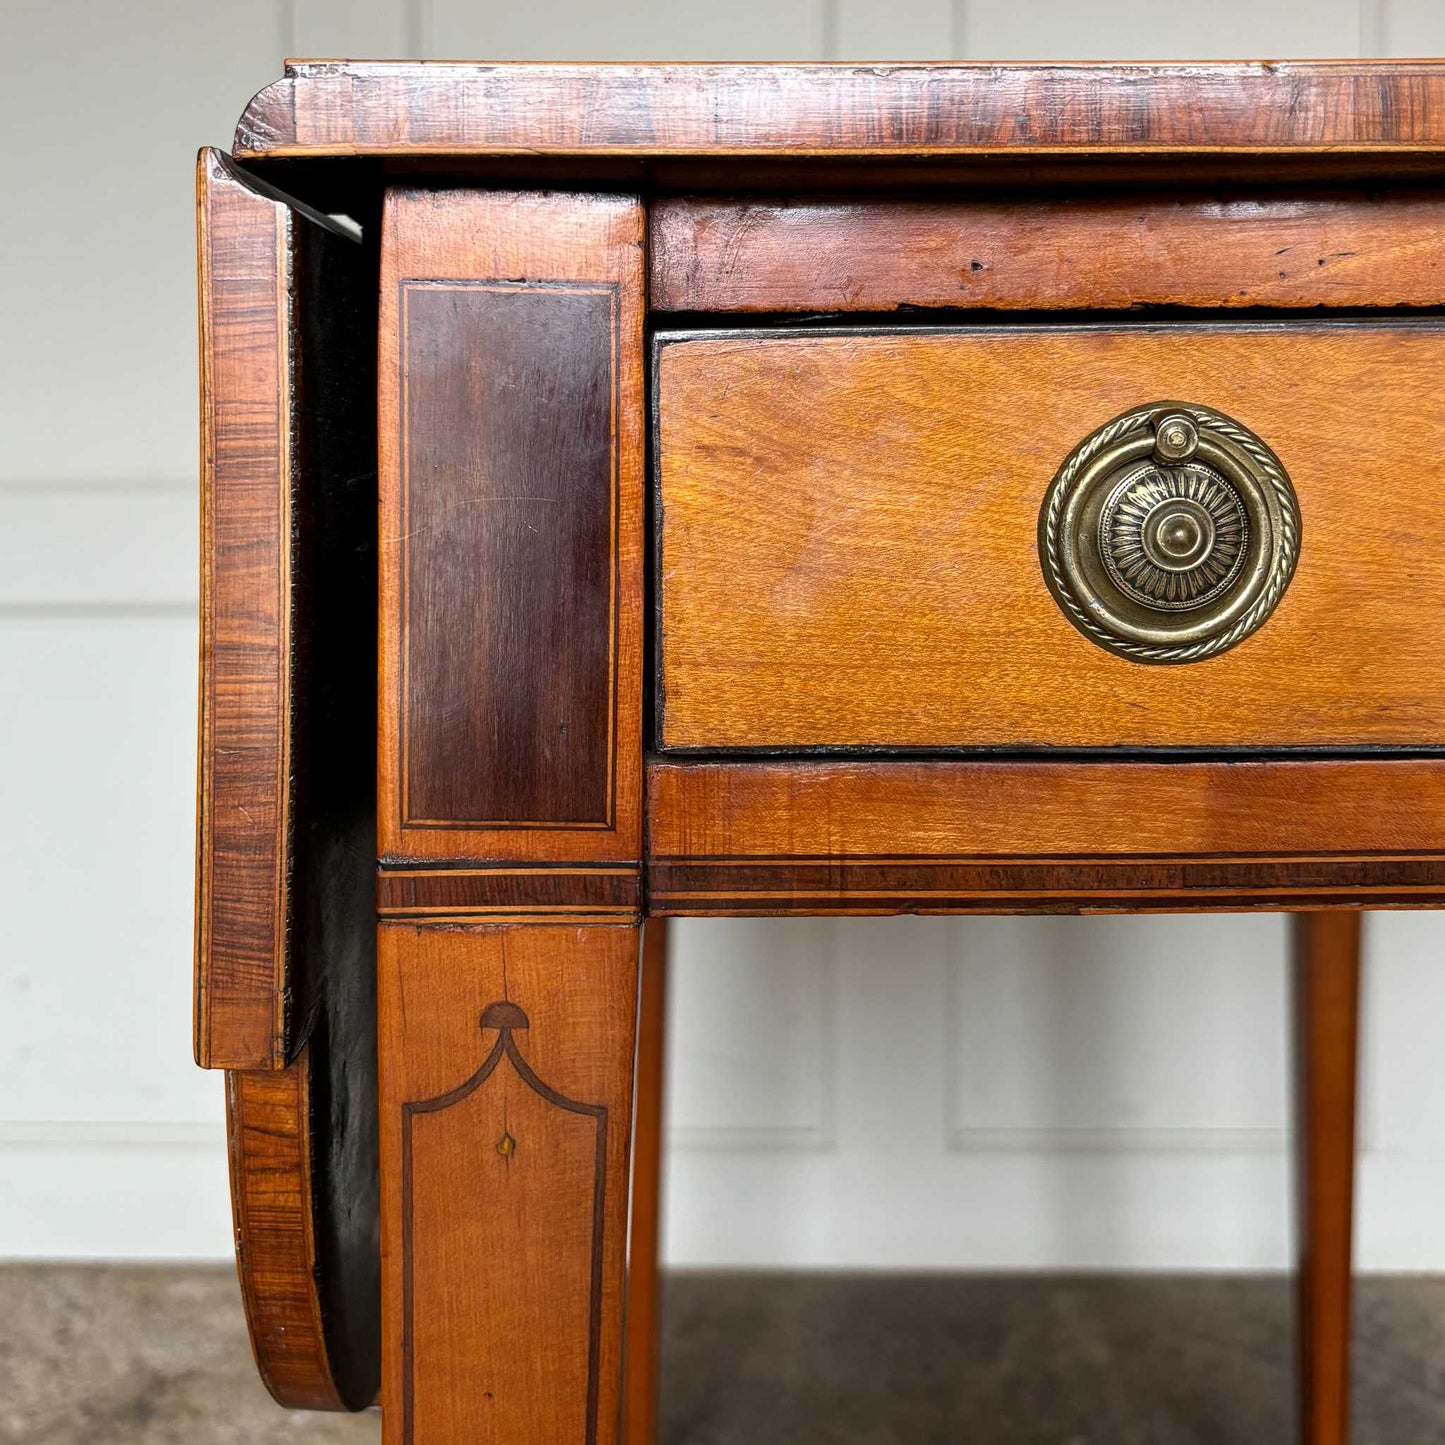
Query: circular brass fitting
{"type": "Point", "coordinates": [1169, 534]}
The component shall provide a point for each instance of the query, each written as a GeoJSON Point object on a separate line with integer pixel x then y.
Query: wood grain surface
{"type": "Point", "coordinates": [511, 484]}
{"type": "Point", "coordinates": [798, 836]}
{"type": "Point", "coordinates": [268, 1124]}
{"type": "Point", "coordinates": [849, 553]}
{"type": "Point", "coordinates": [285, 979]}
{"type": "Point", "coordinates": [315, 1335]}
{"type": "Point", "coordinates": [506, 1092]}
{"type": "Point", "coordinates": [247, 244]}
{"type": "Point", "coordinates": [1327, 1011]}
{"type": "Point", "coordinates": [509, 508]}
{"type": "Point", "coordinates": [288, 587]}
{"type": "Point", "coordinates": [713, 254]}
{"type": "Point", "coordinates": [643, 1338]}
{"type": "Point", "coordinates": [400, 108]}
{"type": "Point", "coordinates": [541, 890]}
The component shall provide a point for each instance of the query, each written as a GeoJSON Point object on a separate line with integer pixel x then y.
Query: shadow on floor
{"type": "Point", "coordinates": [107, 1355]}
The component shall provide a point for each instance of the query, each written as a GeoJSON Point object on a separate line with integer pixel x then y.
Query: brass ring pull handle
{"type": "Point", "coordinates": [1170, 534]}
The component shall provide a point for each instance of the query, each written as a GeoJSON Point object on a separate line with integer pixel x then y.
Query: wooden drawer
{"type": "Point", "coordinates": [848, 524]}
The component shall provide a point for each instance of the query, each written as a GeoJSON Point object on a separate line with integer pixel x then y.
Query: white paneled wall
{"type": "Point", "coordinates": [919, 1092]}
{"type": "Point", "coordinates": [1050, 1093]}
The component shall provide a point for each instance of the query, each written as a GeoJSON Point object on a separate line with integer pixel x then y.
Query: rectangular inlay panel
{"type": "Point", "coordinates": [512, 433]}
{"type": "Point", "coordinates": [509, 503]}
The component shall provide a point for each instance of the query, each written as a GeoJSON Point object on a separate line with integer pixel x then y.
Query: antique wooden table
{"type": "Point", "coordinates": [837, 489]}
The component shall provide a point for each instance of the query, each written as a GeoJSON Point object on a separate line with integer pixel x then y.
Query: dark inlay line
{"type": "Point", "coordinates": [504, 1017]}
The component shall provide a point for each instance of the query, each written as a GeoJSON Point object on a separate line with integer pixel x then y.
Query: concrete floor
{"type": "Point", "coordinates": [149, 1356]}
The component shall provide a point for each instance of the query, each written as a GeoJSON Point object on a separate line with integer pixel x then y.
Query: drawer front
{"type": "Point", "coordinates": [849, 528]}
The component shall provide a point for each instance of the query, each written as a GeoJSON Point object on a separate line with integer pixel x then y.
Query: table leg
{"type": "Point", "coordinates": [640, 1369]}
{"type": "Point", "coordinates": [1326, 986]}
{"type": "Point", "coordinates": [506, 1056]}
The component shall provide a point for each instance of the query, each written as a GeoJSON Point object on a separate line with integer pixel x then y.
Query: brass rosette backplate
{"type": "Point", "coordinates": [1169, 534]}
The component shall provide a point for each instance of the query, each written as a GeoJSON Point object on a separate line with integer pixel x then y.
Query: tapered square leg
{"type": "Point", "coordinates": [640, 1369]}
{"type": "Point", "coordinates": [506, 1088]}
{"type": "Point", "coordinates": [511, 431]}
{"type": "Point", "coordinates": [1327, 985]}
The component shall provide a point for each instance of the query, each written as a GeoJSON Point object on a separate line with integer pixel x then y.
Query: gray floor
{"type": "Point", "coordinates": [120, 1356]}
